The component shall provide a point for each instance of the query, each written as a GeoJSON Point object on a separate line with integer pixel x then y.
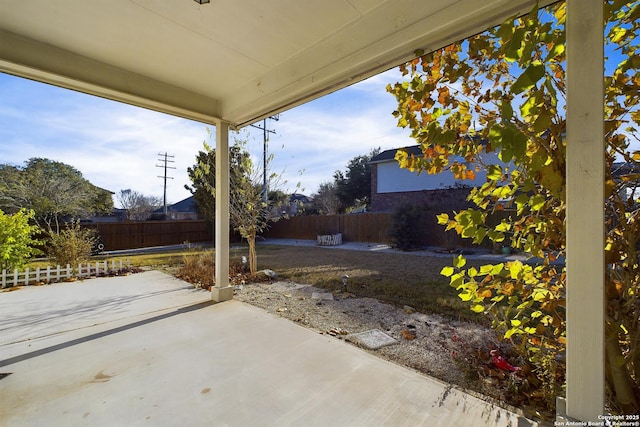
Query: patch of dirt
{"type": "Point", "coordinates": [454, 351]}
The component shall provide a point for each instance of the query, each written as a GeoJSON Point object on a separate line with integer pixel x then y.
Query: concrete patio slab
{"type": "Point", "coordinates": [148, 349]}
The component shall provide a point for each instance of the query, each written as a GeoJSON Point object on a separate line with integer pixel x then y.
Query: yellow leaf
{"type": "Point", "coordinates": [459, 261]}
{"type": "Point", "coordinates": [478, 308]}
{"type": "Point", "coordinates": [465, 296]}
{"type": "Point", "coordinates": [447, 271]}
{"type": "Point", "coordinates": [442, 218]}
{"type": "Point", "coordinates": [540, 294]}
{"type": "Point", "coordinates": [515, 268]}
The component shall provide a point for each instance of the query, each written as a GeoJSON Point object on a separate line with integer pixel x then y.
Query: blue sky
{"type": "Point", "coordinates": [116, 146]}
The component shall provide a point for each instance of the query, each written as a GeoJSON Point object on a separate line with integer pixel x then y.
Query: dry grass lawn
{"type": "Point", "coordinates": [396, 278]}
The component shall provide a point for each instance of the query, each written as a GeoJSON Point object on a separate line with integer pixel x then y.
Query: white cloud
{"type": "Point", "coordinates": [116, 146]}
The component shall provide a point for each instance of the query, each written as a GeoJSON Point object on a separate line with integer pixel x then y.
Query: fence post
{"type": "Point", "coordinates": [37, 274]}
{"type": "Point", "coordinates": [4, 278]}
{"type": "Point", "coordinates": [67, 273]}
{"type": "Point", "coordinates": [48, 274]}
{"type": "Point", "coordinates": [97, 269]}
{"type": "Point", "coordinates": [15, 277]}
{"type": "Point", "coordinates": [26, 277]}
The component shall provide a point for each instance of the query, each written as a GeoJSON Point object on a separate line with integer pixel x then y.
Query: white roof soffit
{"type": "Point", "coordinates": [232, 60]}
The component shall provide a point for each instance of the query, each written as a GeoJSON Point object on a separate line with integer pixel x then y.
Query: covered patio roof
{"type": "Point", "coordinates": [233, 62]}
{"type": "Point", "coordinates": [237, 61]}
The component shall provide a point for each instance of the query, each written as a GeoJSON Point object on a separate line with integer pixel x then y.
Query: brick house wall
{"type": "Point", "coordinates": [444, 200]}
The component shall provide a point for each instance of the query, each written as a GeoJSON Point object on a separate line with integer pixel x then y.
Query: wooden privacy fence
{"type": "Point", "coordinates": [365, 227]}
{"type": "Point", "coordinates": [373, 227]}
{"type": "Point", "coordinates": [144, 234]}
{"type": "Point", "coordinates": [58, 273]}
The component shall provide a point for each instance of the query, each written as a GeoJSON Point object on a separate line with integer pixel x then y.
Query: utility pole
{"type": "Point", "coordinates": [164, 158]}
{"type": "Point", "coordinates": [265, 132]}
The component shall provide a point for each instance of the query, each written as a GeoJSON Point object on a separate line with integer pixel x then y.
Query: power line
{"type": "Point", "coordinates": [164, 158]}
{"type": "Point", "coordinates": [265, 131]}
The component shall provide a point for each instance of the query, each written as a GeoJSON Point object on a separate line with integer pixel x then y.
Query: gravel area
{"type": "Point", "coordinates": [430, 344]}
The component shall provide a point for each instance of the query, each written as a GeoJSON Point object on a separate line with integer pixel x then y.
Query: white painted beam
{"type": "Point", "coordinates": [585, 210]}
{"type": "Point", "coordinates": [222, 291]}
{"type": "Point", "coordinates": [37, 60]}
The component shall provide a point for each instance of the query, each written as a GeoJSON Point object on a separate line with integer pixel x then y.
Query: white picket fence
{"type": "Point", "coordinates": [58, 274]}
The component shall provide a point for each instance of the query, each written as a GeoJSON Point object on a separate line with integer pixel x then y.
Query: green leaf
{"type": "Point", "coordinates": [513, 48]}
{"type": "Point", "coordinates": [557, 50]}
{"type": "Point", "coordinates": [494, 172]}
{"type": "Point", "coordinates": [537, 202]}
{"type": "Point", "coordinates": [543, 122]}
{"type": "Point", "coordinates": [528, 78]}
{"type": "Point", "coordinates": [506, 110]}
{"type": "Point", "coordinates": [457, 280]}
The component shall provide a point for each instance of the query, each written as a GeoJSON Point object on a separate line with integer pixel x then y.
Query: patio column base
{"type": "Point", "coordinates": [222, 294]}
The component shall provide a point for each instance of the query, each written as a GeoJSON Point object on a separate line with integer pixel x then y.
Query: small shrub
{"type": "Point", "coordinates": [17, 244]}
{"type": "Point", "coordinates": [200, 270]}
{"type": "Point", "coordinates": [409, 227]}
{"type": "Point", "coordinates": [72, 245]}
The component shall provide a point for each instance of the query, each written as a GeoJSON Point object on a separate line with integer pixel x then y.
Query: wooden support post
{"type": "Point", "coordinates": [585, 210]}
{"type": "Point", "coordinates": [222, 291]}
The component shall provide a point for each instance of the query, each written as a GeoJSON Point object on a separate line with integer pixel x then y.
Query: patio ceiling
{"type": "Point", "coordinates": [231, 60]}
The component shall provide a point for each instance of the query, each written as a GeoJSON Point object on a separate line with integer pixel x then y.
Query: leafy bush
{"type": "Point", "coordinates": [72, 245]}
{"type": "Point", "coordinates": [17, 244]}
{"type": "Point", "coordinates": [409, 227]}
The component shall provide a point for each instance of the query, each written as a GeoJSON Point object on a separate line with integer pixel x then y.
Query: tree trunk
{"type": "Point", "coordinates": [618, 377]}
{"type": "Point", "coordinates": [253, 258]}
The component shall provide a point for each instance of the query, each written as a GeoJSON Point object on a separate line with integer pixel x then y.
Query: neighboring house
{"type": "Point", "coordinates": [298, 202]}
{"type": "Point", "coordinates": [184, 209]}
{"type": "Point", "coordinates": [116, 215]}
{"type": "Point", "coordinates": [392, 186]}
